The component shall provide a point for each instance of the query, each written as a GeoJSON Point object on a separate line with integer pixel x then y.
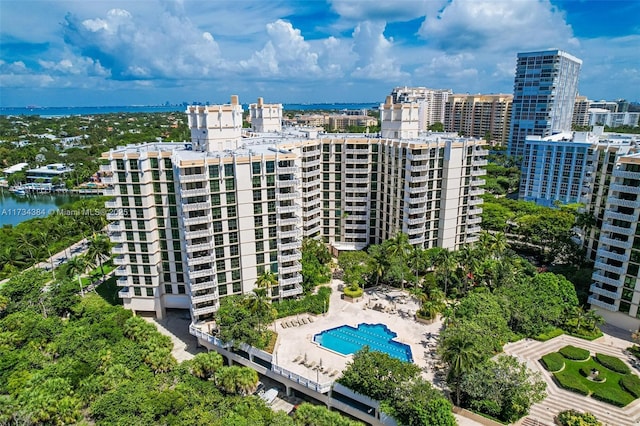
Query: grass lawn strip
{"type": "Point", "coordinates": [610, 389]}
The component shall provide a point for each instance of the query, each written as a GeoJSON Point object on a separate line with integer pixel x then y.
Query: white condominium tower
{"type": "Point", "coordinates": [432, 102]}
{"type": "Point", "coordinates": [193, 222]}
{"type": "Point", "coordinates": [544, 94]}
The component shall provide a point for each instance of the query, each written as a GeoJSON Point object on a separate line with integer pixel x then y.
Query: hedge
{"type": "Point", "coordinates": [572, 383]}
{"type": "Point", "coordinates": [577, 354]}
{"type": "Point", "coordinates": [311, 303]}
{"type": "Point", "coordinates": [612, 396]}
{"type": "Point", "coordinates": [586, 372]}
{"type": "Point", "coordinates": [613, 363]}
{"type": "Point", "coordinates": [548, 335]}
{"type": "Point", "coordinates": [353, 293]}
{"type": "Point", "coordinates": [553, 361]}
{"type": "Point", "coordinates": [631, 383]}
{"type": "Point", "coordinates": [574, 418]}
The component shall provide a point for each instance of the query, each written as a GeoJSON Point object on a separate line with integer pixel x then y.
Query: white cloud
{"type": "Point", "coordinates": [375, 59]}
{"type": "Point", "coordinates": [286, 54]}
{"type": "Point", "coordinates": [387, 11]}
{"type": "Point", "coordinates": [498, 26]}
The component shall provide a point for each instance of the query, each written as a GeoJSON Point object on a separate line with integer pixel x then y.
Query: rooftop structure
{"type": "Point", "coordinates": [431, 102]}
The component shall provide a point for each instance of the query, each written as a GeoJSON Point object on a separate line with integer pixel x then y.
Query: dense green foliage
{"type": "Point", "coordinates": [576, 418]}
{"type": "Point", "coordinates": [571, 352]}
{"type": "Point", "coordinates": [317, 304]}
{"type": "Point", "coordinates": [313, 415]}
{"type": "Point", "coordinates": [503, 388]}
{"type": "Point", "coordinates": [554, 332]}
{"type": "Point", "coordinates": [631, 383]}
{"type": "Point", "coordinates": [244, 319]}
{"type": "Point", "coordinates": [315, 264]}
{"type": "Point", "coordinates": [503, 176]}
{"type": "Point", "coordinates": [613, 363]}
{"type": "Point", "coordinates": [553, 361]}
{"type": "Point", "coordinates": [403, 394]}
{"type": "Point", "coordinates": [37, 239]}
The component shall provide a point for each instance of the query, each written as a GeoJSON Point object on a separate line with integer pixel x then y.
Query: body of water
{"type": "Point", "coordinates": [15, 209]}
{"type": "Point", "coordinates": [68, 111]}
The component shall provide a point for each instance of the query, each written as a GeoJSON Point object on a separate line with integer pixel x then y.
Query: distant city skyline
{"type": "Point", "coordinates": [80, 53]}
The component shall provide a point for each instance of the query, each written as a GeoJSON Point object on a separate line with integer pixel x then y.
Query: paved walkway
{"type": "Point", "coordinates": [558, 399]}
{"type": "Point", "coordinates": [176, 326]}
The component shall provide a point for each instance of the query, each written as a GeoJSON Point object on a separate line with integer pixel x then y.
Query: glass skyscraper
{"type": "Point", "coordinates": [544, 94]}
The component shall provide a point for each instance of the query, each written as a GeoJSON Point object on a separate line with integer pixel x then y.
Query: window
{"type": "Point", "coordinates": [229, 184]}
{"type": "Point", "coordinates": [149, 292]}
{"type": "Point", "coordinates": [214, 171]}
{"type": "Point", "coordinates": [233, 224]}
{"type": "Point", "coordinates": [257, 195]}
{"type": "Point", "coordinates": [228, 170]}
{"type": "Point", "coordinates": [255, 167]}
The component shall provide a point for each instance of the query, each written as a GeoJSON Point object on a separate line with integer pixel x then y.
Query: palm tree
{"type": "Point", "coordinates": [207, 365]}
{"type": "Point", "coordinates": [579, 315]}
{"type": "Point", "coordinates": [44, 237]}
{"type": "Point", "coordinates": [499, 244]}
{"type": "Point", "coordinates": [238, 380]}
{"type": "Point", "coordinates": [379, 262]}
{"type": "Point", "coordinates": [399, 247]}
{"type": "Point", "coordinates": [460, 354]}
{"type": "Point", "coordinates": [76, 266]}
{"type": "Point", "coordinates": [445, 264]}
{"type": "Point", "coordinates": [265, 281]}
{"type": "Point", "coordinates": [469, 260]}
{"type": "Point", "coordinates": [99, 248]}
{"type": "Point", "coordinates": [594, 319]}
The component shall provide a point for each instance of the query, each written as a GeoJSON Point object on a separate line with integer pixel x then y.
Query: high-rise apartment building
{"type": "Point", "coordinates": [432, 102]}
{"type": "Point", "coordinates": [581, 111]}
{"type": "Point", "coordinates": [545, 89]}
{"type": "Point", "coordinates": [479, 116]}
{"type": "Point", "coordinates": [553, 168]}
{"type": "Point", "coordinates": [193, 222]}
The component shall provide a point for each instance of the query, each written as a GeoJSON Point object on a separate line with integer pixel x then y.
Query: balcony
{"type": "Point", "coordinates": [291, 292]}
{"type": "Point", "coordinates": [355, 180]}
{"type": "Point", "coordinates": [471, 239]}
{"type": "Point", "coordinates": [109, 192]}
{"type": "Point", "coordinates": [311, 174]}
{"type": "Point", "coordinates": [197, 192]}
{"type": "Point", "coordinates": [474, 221]}
{"type": "Point", "coordinates": [204, 285]}
{"type": "Point", "coordinates": [201, 273]}
{"type": "Point", "coordinates": [476, 192]}
{"type": "Point", "coordinates": [125, 293]}
{"type": "Point", "coordinates": [473, 230]}
{"type": "Point", "coordinates": [357, 216]}
{"type": "Point", "coordinates": [112, 204]}
{"type": "Point", "coordinates": [609, 268]}
{"type": "Point", "coordinates": [199, 247]}
{"type": "Point", "coordinates": [357, 151]}
{"type": "Point", "coordinates": [283, 258]}
{"type": "Point", "coordinates": [105, 168]}
{"type": "Point", "coordinates": [293, 233]}
{"type": "Point", "coordinates": [190, 207]}
{"type": "Point", "coordinates": [204, 298]}
{"type": "Point", "coordinates": [288, 221]}
{"type": "Point", "coordinates": [288, 209]}
{"type": "Point", "coordinates": [312, 163]}
{"type": "Point", "coordinates": [417, 189]}
{"type": "Point", "coordinates": [625, 188]}
{"type": "Point", "coordinates": [417, 157]}
{"type": "Point", "coordinates": [312, 210]}
{"type": "Point", "coordinates": [118, 237]}
{"type": "Point", "coordinates": [611, 255]}
{"type": "Point", "coordinates": [598, 290]}
{"type": "Point", "coordinates": [476, 201]}
{"type": "Point", "coordinates": [358, 160]}
{"type": "Point", "coordinates": [198, 220]}
{"type": "Point", "coordinates": [476, 211]}
{"type": "Point", "coordinates": [313, 222]}
{"type": "Point", "coordinates": [479, 163]}
{"type": "Point", "coordinates": [290, 281]}
{"type": "Point", "coordinates": [295, 267]}
{"type": "Point", "coordinates": [481, 152]}
{"type": "Point", "coordinates": [418, 240]}
{"type": "Point", "coordinates": [287, 183]}
{"type": "Point", "coordinates": [206, 310]}
{"type": "Point", "coordinates": [286, 170]}
{"type": "Point", "coordinates": [115, 227]}
{"type": "Point", "coordinates": [198, 234]}
{"type": "Point", "coordinates": [118, 214]}
{"type": "Point", "coordinates": [479, 172]}
{"type": "Point", "coordinates": [420, 168]}
{"type": "Point", "coordinates": [193, 178]}
{"type": "Point", "coordinates": [478, 182]}
{"type": "Point", "coordinates": [420, 178]}
{"type": "Point", "coordinates": [613, 242]}
{"type": "Point", "coordinates": [120, 260]}
{"type": "Point", "coordinates": [625, 174]}
{"type": "Point", "coordinates": [634, 204]}
{"type": "Point", "coordinates": [599, 277]}
{"type": "Point", "coordinates": [122, 282]}
{"type": "Point", "coordinates": [121, 271]}
{"type": "Point", "coordinates": [416, 200]}
{"type": "Point", "coordinates": [595, 302]}
{"type": "Point", "coordinates": [290, 245]}
{"type": "Point", "coordinates": [356, 199]}
{"type": "Point", "coordinates": [312, 192]}
{"type": "Point", "coordinates": [200, 260]}
{"type": "Point", "coordinates": [108, 180]}
{"type": "Point", "coordinates": [607, 227]}
{"type": "Point", "coordinates": [415, 231]}
{"type": "Point", "coordinates": [283, 196]}
{"type": "Point", "coordinates": [608, 214]}
{"type": "Point", "coordinates": [119, 249]}
{"type": "Point", "coordinates": [418, 221]}
{"type": "Point", "coordinates": [416, 211]}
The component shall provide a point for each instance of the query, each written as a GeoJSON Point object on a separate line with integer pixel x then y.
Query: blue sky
{"type": "Point", "coordinates": [93, 52]}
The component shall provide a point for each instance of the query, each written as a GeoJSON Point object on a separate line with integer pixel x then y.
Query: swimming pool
{"type": "Point", "coordinates": [347, 340]}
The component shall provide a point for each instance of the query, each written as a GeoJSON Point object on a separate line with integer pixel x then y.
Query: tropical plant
{"type": "Point", "coordinates": [76, 266]}
{"type": "Point", "coordinates": [99, 249]}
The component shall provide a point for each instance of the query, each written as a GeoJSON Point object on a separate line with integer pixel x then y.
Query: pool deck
{"type": "Point", "coordinates": [295, 344]}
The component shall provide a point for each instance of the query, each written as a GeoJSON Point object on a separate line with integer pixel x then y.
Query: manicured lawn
{"type": "Point", "coordinates": [108, 290]}
{"type": "Point", "coordinates": [609, 390]}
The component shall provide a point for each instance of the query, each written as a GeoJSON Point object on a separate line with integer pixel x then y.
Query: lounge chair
{"type": "Point", "coordinates": [283, 324]}
{"type": "Point", "coordinates": [298, 359]}
{"type": "Point", "coordinates": [303, 321]}
{"type": "Point", "coordinates": [290, 324]}
{"type": "Point", "coordinates": [312, 364]}
{"type": "Point", "coordinates": [310, 319]}
{"type": "Point", "coordinates": [333, 373]}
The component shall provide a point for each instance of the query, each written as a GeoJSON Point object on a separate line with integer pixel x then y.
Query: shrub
{"type": "Point", "coordinates": [631, 383]}
{"type": "Point", "coordinates": [352, 292]}
{"type": "Point", "coordinates": [553, 361]}
{"type": "Point", "coordinates": [312, 303]}
{"type": "Point", "coordinates": [548, 335]}
{"type": "Point", "coordinates": [570, 382]}
{"type": "Point", "coordinates": [578, 354]}
{"type": "Point", "coordinates": [617, 397]}
{"type": "Point", "coordinates": [613, 363]}
{"type": "Point", "coordinates": [635, 350]}
{"type": "Point", "coordinates": [576, 418]}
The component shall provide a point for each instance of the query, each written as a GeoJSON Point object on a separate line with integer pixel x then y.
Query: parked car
{"type": "Point", "coordinates": [269, 396]}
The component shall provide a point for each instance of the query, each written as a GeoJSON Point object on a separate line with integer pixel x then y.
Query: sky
{"type": "Point", "coordinates": [148, 52]}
